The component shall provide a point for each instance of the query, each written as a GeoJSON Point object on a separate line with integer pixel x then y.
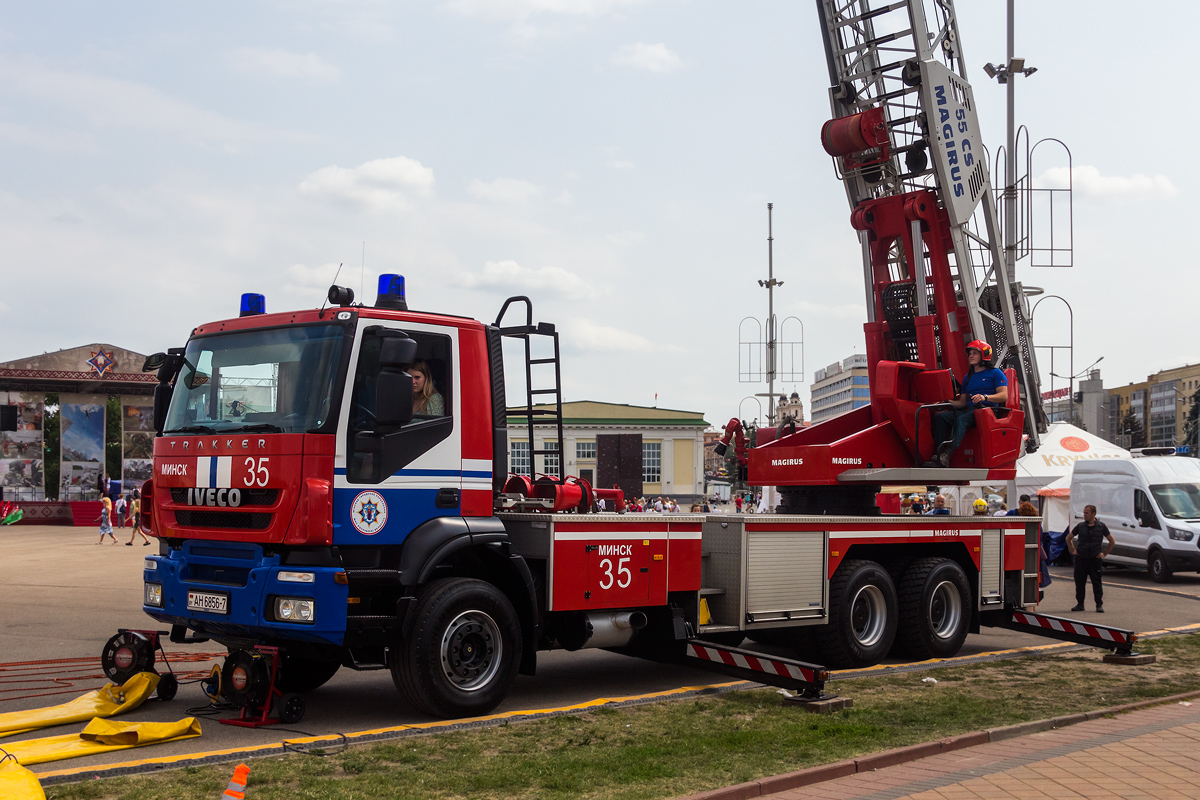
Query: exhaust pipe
{"type": "Point", "coordinates": [601, 629]}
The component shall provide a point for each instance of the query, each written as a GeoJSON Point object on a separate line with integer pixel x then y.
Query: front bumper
{"type": "Point", "coordinates": [250, 580]}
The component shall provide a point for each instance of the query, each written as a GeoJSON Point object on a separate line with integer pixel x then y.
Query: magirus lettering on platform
{"type": "Point", "coordinates": [222, 498]}
{"type": "Point", "coordinates": [786, 462]}
{"type": "Point", "coordinates": [846, 460]}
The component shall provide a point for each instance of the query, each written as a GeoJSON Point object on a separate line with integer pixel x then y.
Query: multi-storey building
{"type": "Point", "coordinates": [842, 386]}
{"type": "Point", "coordinates": [1160, 403]}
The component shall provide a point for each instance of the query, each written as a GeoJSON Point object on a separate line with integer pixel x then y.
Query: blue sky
{"type": "Point", "coordinates": [610, 158]}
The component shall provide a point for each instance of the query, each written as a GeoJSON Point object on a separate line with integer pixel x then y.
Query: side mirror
{"type": "Point", "coordinates": [393, 397]}
{"type": "Point", "coordinates": [162, 399]}
{"type": "Point", "coordinates": [154, 362]}
{"type": "Point", "coordinates": [397, 352]}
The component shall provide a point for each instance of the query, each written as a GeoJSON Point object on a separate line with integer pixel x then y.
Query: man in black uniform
{"type": "Point", "coordinates": [1085, 542]}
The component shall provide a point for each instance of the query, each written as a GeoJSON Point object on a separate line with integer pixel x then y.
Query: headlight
{"type": "Point", "coordinates": [295, 609]}
{"type": "Point", "coordinates": [297, 577]}
{"type": "Point", "coordinates": [154, 595]}
{"type": "Point", "coordinates": [1178, 535]}
{"type": "Point", "coordinates": [150, 564]}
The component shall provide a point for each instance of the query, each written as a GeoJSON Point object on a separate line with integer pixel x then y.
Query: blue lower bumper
{"type": "Point", "coordinates": [250, 583]}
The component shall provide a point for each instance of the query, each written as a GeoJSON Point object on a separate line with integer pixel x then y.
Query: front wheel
{"type": "Point", "coordinates": [1157, 564]}
{"type": "Point", "coordinates": [463, 652]}
{"type": "Point", "coordinates": [862, 616]}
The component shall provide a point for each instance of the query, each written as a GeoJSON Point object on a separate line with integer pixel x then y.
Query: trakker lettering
{"type": "Point", "coordinates": [174, 469]}
{"type": "Point", "coordinates": [846, 460]}
{"type": "Point", "coordinates": [262, 444]}
{"type": "Point", "coordinates": [222, 498]}
{"type": "Point", "coordinates": [786, 462]}
{"type": "Point", "coordinates": [616, 549]}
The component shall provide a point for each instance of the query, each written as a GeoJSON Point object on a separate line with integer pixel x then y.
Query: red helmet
{"type": "Point", "coordinates": [985, 349]}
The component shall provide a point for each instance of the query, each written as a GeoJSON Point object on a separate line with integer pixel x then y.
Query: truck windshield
{"type": "Point", "coordinates": [278, 380]}
{"type": "Point", "coordinates": [1178, 500]}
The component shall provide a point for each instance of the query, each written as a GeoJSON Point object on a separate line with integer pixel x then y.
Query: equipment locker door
{"type": "Point", "coordinates": [991, 567]}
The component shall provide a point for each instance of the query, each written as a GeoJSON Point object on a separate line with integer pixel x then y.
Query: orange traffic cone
{"type": "Point", "coordinates": [236, 790]}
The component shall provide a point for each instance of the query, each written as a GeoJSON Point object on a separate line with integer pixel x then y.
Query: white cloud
{"type": "Point", "coordinates": [1088, 182]}
{"type": "Point", "coordinates": [650, 57]}
{"type": "Point", "coordinates": [512, 277]}
{"type": "Point", "coordinates": [626, 238]}
{"type": "Point", "coordinates": [382, 184]}
{"type": "Point", "coordinates": [521, 9]}
{"type": "Point", "coordinates": [505, 190]}
{"type": "Point", "coordinates": [583, 335]}
{"type": "Point", "coordinates": [284, 64]}
{"type": "Point", "coordinates": [50, 141]}
{"type": "Point", "coordinates": [119, 103]}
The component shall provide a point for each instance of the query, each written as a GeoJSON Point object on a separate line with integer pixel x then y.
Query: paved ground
{"type": "Point", "coordinates": [63, 597]}
{"type": "Point", "coordinates": [1142, 754]}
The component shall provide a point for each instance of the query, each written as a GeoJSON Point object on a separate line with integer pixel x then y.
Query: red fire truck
{"type": "Point", "coordinates": [331, 487]}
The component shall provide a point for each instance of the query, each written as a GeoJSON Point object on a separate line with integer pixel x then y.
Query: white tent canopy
{"type": "Point", "coordinates": [1056, 504]}
{"type": "Point", "coordinates": [1062, 445]}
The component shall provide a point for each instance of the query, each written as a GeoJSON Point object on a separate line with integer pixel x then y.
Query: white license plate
{"type": "Point", "coordinates": [211, 602]}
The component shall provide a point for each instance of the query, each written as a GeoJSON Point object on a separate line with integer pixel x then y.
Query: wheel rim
{"type": "Point", "coordinates": [868, 615]}
{"type": "Point", "coordinates": [471, 650]}
{"type": "Point", "coordinates": [945, 610]}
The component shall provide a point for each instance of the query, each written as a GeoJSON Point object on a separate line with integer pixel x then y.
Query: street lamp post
{"type": "Point", "coordinates": [1071, 387]}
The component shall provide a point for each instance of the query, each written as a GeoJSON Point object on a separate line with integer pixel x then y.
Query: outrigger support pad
{"type": "Point", "coordinates": [1119, 640]}
{"type": "Point", "coordinates": [786, 673]}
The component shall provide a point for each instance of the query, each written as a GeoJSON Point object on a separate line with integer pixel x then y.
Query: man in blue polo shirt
{"type": "Point", "coordinates": [985, 387]}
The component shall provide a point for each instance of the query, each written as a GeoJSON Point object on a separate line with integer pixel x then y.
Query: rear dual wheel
{"type": "Point", "coordinates": [863, 611]}
{"type": "Point", "coordinates": [934, 611]}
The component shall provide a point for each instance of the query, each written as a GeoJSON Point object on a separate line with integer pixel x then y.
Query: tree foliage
{"type": "Point", "coordinates": [1131, 425]}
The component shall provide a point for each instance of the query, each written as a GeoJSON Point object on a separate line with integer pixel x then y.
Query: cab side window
{"type": "Point", "coordinates": [1143, 511]}
{"type": "Point", "coordinates": [372, 462]}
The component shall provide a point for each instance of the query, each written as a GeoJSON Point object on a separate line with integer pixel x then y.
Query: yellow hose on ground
{"type": "Point", "coordinates": [106, 702]}
{"type": "Point", "coordinates": [18, 783]}
{"type": "Point", "coordinates": [101, 736]}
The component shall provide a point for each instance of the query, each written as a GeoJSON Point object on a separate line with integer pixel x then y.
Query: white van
{"type": "Point", "coordinates": [1151, 506]}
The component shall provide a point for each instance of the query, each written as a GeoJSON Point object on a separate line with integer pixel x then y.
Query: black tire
{"type": "Point", "coordinates": [1156, 563]}
{"type": "Point", "coordinates": [168, 686]}
{"type": "Point", "coordinates": [935, 609]}
{"type": "Point", "coordinates": [291, 708]}
{"type": "Point", "coordinates": [462, 654]}
{"type": "Point", "coordinates": [863, 611]}
{"type": "Point", "coordinates": [298, 674]}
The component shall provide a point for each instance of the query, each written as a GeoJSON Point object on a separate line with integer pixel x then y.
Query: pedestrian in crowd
{"type": "Point", "coordinates": [105, 520]}
{"type": "Point", "coordinates": [985, 387]}
{"type": "Point", "coordinates": [600, 504]}
{"type": "Point", "coordinates": [1086, 541]}
{"type": "Point", "coordinates": [706, 508]}
{"type": "Point", "coordinates": [1002, 511]}
{"type": "Point", "coordinates": [918, 505]}
{"type": "Point", "coordinates": [120, 507]}
{"type": "Point", "coordinates": [939, 507]}
{"type": "Point", "coordinates": [134, 512]}
{"type": "Point", "coordinates": [979, 508]}
{"type": "Point", "coordinates": [658, 506]}
{"type": "Point", "coordinates": [737, 503]}
{"type": "Point", "coordinates": [1013, 512]}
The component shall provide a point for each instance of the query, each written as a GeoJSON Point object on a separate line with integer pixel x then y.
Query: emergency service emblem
{"type": "Point", "coordinates": [369, 512]}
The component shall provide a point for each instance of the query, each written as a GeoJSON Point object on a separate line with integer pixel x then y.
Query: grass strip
{"type": "Point", "coordinates": [677, 747]}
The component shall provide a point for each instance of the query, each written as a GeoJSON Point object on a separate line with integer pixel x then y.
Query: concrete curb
{"type": "Point", "coordinates": [903, 755]}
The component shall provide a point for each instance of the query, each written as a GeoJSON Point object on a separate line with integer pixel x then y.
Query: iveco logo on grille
{"type": "Point", "coordinates": [223, 498]}
{"type": "Point", "coordinates": [786, 462]}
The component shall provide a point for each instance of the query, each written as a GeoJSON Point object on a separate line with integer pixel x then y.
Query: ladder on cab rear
{"type": "Point", "coordinates": [549, 412]}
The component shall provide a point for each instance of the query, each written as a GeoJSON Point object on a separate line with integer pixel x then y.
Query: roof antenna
{"type": "Point", "coordinates": [321, 313]}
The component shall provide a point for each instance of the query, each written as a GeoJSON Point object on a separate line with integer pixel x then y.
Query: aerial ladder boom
{"type": "Point", "coordinates": [906, 143]}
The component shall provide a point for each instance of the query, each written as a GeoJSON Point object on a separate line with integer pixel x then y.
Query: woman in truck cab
{"type": "Point", "coordinates": [426, 400]}
{"type": "Point", "coordinates": [985, 387]}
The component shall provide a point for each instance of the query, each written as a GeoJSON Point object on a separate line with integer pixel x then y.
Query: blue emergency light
{"type": "Point", "coordinates": [253, 304]}
{"type": "Point", "coordinates": [391, 292]}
